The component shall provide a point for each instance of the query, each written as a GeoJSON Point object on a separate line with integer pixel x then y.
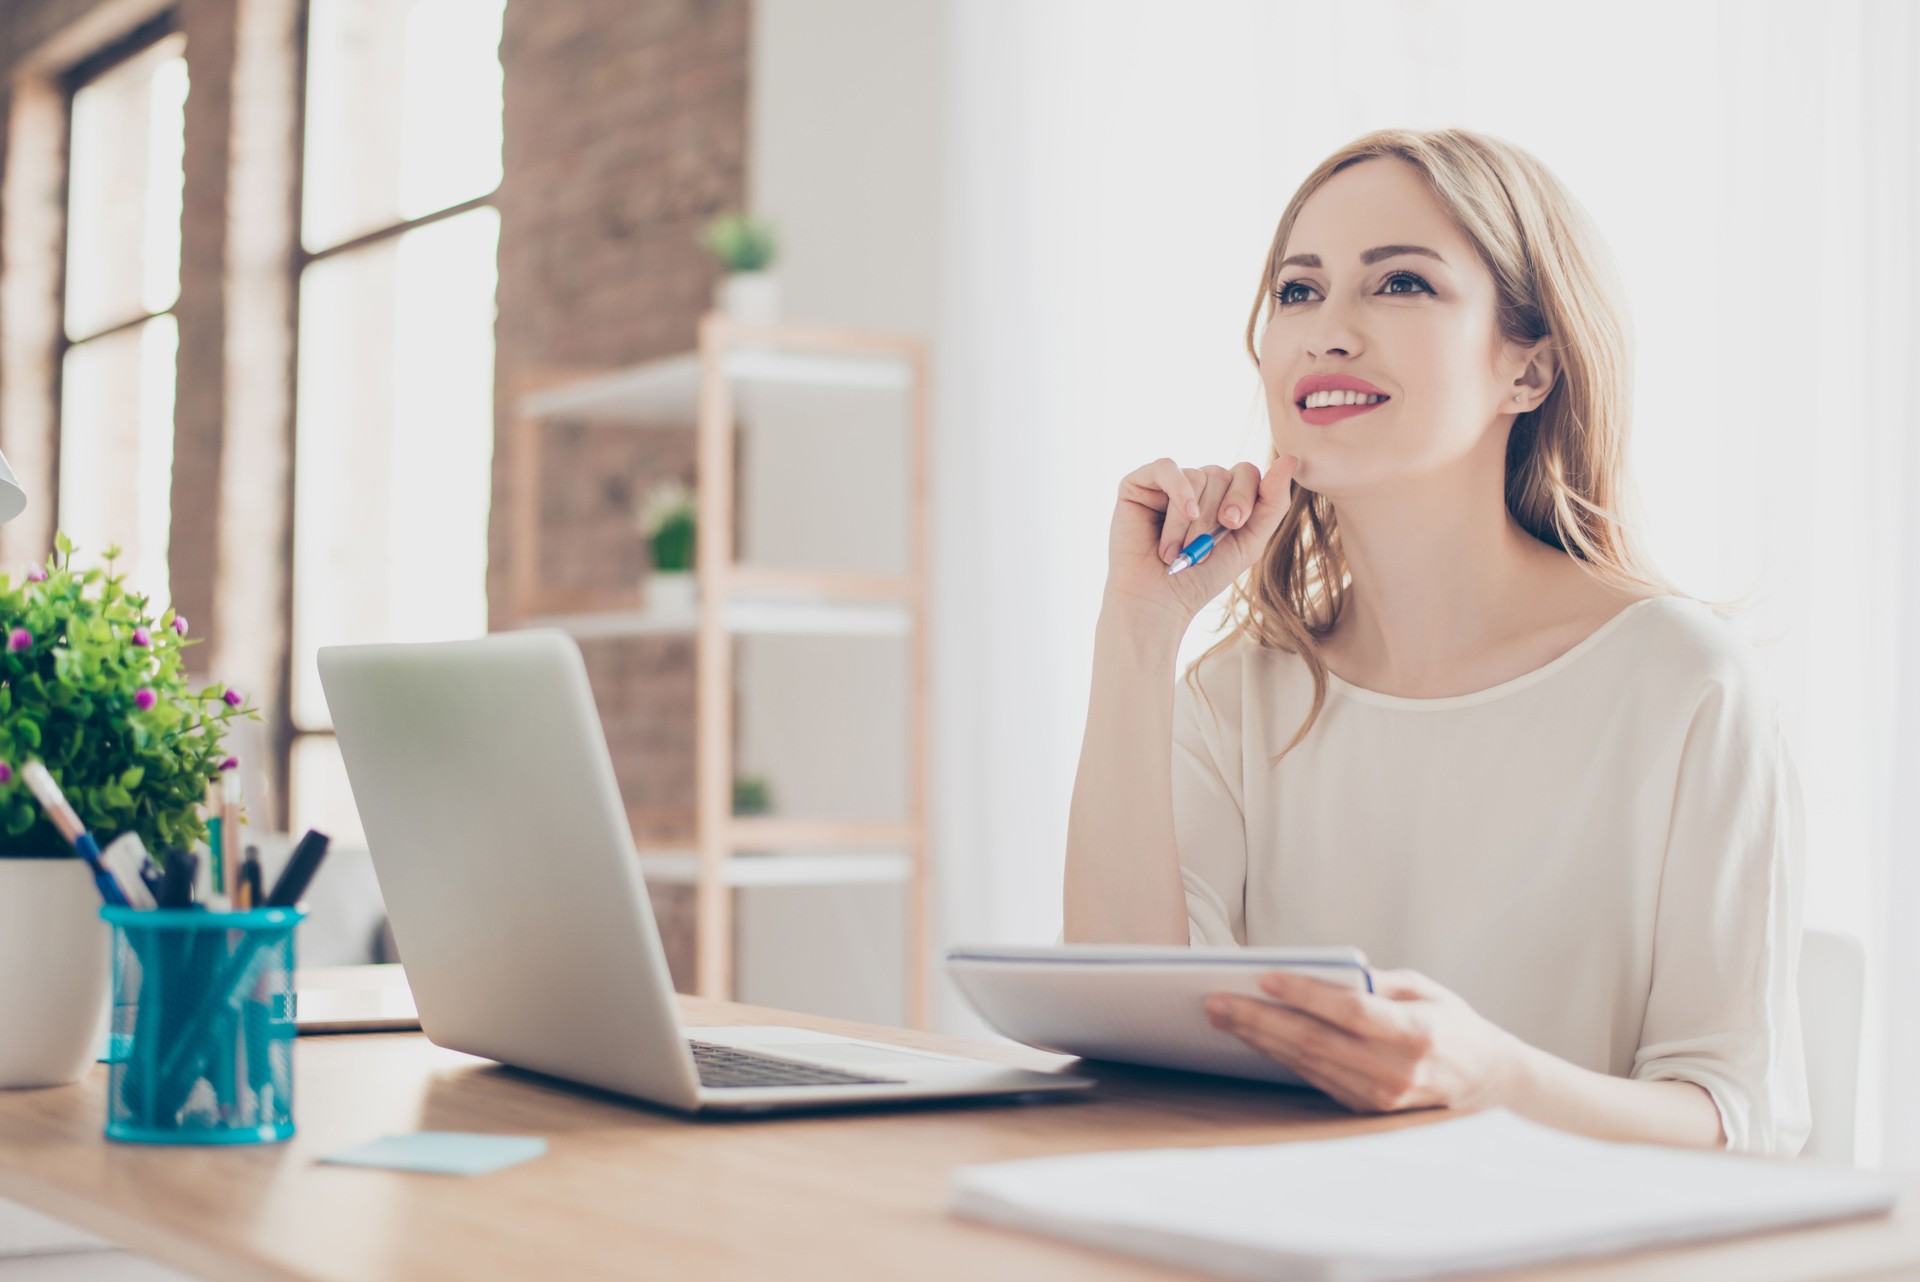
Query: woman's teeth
{"type": "Point", "coordinates": [1317, 400]}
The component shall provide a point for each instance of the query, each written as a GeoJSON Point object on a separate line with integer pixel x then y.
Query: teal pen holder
{"type": "Point", "coordinates": [200, 1049]}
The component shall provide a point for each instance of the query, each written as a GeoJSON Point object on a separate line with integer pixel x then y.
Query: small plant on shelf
{"type": "Point", "coordinates": [666, 520]}
{"type": "Point", "coordinates": [751, 796]}
{"type": "Point", "coordinates": [740, 242]}
{"type": "Point", "coordinates": [748, 291]}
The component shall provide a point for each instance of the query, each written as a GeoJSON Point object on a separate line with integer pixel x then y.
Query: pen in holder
{"type": "Point", "coordinates": [201, 1047]}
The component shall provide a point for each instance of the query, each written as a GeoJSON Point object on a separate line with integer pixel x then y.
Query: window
{"type": "Point", "coordinates": [117, 373]}
{"type": "Point", "coordinates": [393, 448]}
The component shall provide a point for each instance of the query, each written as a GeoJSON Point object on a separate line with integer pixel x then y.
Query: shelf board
{"type": "Point", "coordinates": [763, 616]}
{"type": "Point", "coordinates": [815, 868]}
{"type": "Point", "coordinates": [666, 392]}
{"type": "Point", "coordinates": [779, 832]}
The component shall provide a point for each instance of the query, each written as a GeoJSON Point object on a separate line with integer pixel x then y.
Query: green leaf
{"type": "Point", "coordinates": [131, 776]}
{"type": "Point", "coordinates": [64, 544]}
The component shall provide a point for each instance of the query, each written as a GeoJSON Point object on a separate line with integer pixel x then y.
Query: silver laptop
{"type": "Point", "coordinates": [517, 902]}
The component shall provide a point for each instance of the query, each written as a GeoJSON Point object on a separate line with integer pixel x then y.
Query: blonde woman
{"type": "Point", "coordinates": [1457, 721]}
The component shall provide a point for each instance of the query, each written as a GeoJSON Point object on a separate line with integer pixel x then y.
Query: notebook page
{"type": "Point", "coordinates": [1486, 1191]}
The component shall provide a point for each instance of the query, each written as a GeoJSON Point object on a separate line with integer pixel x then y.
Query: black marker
{"type": "Point", "coordinates": [293, 879]}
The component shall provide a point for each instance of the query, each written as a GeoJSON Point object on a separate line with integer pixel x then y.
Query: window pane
{"type": "Point", "coordinates": [116, 450]}
{"type": "Point", "coordinates": [123, 198]}
{"type": "Point", "coordinates": [394, 453]}
{"type": "Point", "coordinates": [403, 112]}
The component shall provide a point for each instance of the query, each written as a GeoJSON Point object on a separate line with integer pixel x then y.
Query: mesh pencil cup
{"type": "Point", "coordinates": [201, 1044]}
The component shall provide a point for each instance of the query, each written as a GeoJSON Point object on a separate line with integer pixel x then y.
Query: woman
{"type": "Point", "coordinates": [1457, 722]}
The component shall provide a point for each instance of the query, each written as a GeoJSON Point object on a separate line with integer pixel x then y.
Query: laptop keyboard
{"type": "Point", "coordinates": [730, 1066]}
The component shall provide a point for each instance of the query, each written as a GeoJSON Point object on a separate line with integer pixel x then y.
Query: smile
{"type": "Point", "coordinates": [1334, 413]}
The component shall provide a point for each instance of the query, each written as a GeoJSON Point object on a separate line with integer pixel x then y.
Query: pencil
{"type": "Point", "coordinates": [230, 831]}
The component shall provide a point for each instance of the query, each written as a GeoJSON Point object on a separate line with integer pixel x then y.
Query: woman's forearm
{"type": "Point", "coordinates": [1123, 867]}
{"type": "Point", "coordinates": [1554, 1092]}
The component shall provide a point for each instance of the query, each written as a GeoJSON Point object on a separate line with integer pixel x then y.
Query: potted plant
{"type": "Point", "coordinates": [751, 795]}
{"type": "Point", "coordinates": [92, 685]}
{"type": "Point", "coordinates": [666, 520]}
{"type": "Point", "coordinates": [745, 247]}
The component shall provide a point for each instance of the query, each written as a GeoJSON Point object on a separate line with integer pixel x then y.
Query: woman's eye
{"type": "Point", "coordinates": [1281, 294]}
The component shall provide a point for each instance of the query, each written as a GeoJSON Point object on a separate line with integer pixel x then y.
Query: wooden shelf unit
{"type": "Point", "coordinates": [733, 599]}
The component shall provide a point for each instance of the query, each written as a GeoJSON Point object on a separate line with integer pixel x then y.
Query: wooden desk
{"type": "Point", "coordinates": [631, 1192]}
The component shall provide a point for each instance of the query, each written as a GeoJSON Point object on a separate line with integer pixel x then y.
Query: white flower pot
{"type": "Point", "coordinates": [752, 298]}
{"type": "Point", "coordinates": [672, 592]}
{"type": "Point", "coordinates": [56, 968]}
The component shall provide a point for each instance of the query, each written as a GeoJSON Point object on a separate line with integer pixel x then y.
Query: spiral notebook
{"type": "Point", "coordinates": [1490, 1190]}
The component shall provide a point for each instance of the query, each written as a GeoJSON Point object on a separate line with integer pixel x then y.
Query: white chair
{"type": "Point", "coordinates": [1833, 976]}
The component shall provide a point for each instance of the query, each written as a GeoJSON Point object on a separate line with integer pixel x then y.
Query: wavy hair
{"type": "Point", "coordinates": [1566, 473]}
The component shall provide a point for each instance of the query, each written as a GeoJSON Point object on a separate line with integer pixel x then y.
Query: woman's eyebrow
{"type": "Point", "coordinates": [1370, 257]}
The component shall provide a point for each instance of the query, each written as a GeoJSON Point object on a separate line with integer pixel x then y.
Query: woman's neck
{"type": "Point", "coordinates": [1441, 574]}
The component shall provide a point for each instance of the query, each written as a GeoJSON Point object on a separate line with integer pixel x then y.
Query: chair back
{"type": "Point", "coordinates": [1833, 976]}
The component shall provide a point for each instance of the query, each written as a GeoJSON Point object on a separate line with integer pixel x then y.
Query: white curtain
{"type": "Point", "coordinates": [1114, 174]}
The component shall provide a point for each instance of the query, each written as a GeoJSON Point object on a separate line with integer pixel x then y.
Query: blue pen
{"type": "Point", "coordinates": [1196, 551]}
{"type": "Point", "coordinates": [54, 802]}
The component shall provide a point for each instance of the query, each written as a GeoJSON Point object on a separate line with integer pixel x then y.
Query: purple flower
{"type": "Point", "coordinates": [36, 574]}
{"type": "Point", "coordinates": [180, 624]}
{"type": "Point", "coordinates": [144, 698]}
{"type": "Point", "coordinates": [19, 639]}
{"type": "Point", "coordinates": [6, 773]}
{"type": "Point", "coordinates": [231, 763]}
{"type": "Point", "coordinates": [142, 637]}
{"type": "Point", "coordinates": [232, 697]}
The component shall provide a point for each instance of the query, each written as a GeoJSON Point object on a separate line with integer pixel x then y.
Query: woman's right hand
{"type": "Point", "coordinates": [1163, 507]}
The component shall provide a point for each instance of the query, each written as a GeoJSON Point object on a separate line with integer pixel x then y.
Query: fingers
{"type": "Point", "coordinates": [1404, 985]}
{"type": "Point", "coordinates": [1273, 498]}
{"type": "Point", "coordinates": [1196, 501]}
{"type": "Point", "coordinates": [1236, 505]}
{"type": "Point", "coordinates": [1325, 1057]}
{"type": "Point", "coordinates": [1209, 483]}
{"type": "Point", "coordinates": [1251, 1017]}
{"type": "Point", "coordinates": [1159, 484]}
{"type": "Point", "coordinates": [1364, 1015]}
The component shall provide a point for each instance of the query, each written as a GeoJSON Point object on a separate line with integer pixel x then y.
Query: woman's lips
{"type": "Point", "coordinates": [1334, 413]}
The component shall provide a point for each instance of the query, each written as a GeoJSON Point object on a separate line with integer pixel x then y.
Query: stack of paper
{"type": "Point", "coordinates": [1487, 1191]}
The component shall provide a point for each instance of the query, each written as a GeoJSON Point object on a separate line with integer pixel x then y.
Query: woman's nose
{"type": "Point", "coordinates": [1331, 332]}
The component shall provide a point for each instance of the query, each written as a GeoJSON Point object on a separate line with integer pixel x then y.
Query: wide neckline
{"type": "Point", "coordinates": [1363, 695]}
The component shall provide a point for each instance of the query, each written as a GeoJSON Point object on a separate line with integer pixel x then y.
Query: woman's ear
{"type": "Point", "coordinates": [1539, 367]}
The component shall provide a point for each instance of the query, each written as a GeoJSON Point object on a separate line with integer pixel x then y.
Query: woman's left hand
{"type": "Point", "coordinates": [1408, 1044]}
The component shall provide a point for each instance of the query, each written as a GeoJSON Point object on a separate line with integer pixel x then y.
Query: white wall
{"type": "Point", "coordinates": [845, 109]}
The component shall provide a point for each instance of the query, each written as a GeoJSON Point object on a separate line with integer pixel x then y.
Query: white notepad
{"type": "Point", "coordinates": [1487, 1191]}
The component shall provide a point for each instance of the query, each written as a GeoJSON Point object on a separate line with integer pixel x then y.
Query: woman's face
{"type": "Point", "coordinates": [1417, 327]}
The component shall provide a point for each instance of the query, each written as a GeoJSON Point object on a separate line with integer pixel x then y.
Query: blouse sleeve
{"type": "Point", "coordinates": [1209, 825]}
{"type": "Point", "coordinates": [1724, 1009]}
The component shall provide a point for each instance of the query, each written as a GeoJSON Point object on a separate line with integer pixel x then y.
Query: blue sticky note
{"type": "Point", "coordinates": [443, 1152]}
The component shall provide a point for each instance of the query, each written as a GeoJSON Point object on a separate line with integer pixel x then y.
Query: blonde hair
{"type": "Point", "coordinates": [1566, 477]}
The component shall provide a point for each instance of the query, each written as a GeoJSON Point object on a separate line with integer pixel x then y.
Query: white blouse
{"type": "Point", "coordinates": [1604, 856]}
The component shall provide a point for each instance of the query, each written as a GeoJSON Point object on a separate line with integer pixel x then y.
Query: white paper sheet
{"type": "Point", "coordinates": [1486, 1191]}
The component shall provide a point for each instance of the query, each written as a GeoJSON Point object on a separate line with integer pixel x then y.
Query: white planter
{"type": "Point", "coordinates": [55, 971]}
{"type": "Point", "coordinates": [752, 298]}
{"type": "Point", "coordinates": [672, 592]}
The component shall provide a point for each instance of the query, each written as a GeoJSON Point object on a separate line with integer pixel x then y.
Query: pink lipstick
{"type": "Point", "coordinates": [1334, 413]}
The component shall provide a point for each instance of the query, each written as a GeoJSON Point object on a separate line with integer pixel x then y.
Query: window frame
{"type": "Point", "coordinates": [75, 78]}
{"type": "Point", "coordinates": [288, 734]}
